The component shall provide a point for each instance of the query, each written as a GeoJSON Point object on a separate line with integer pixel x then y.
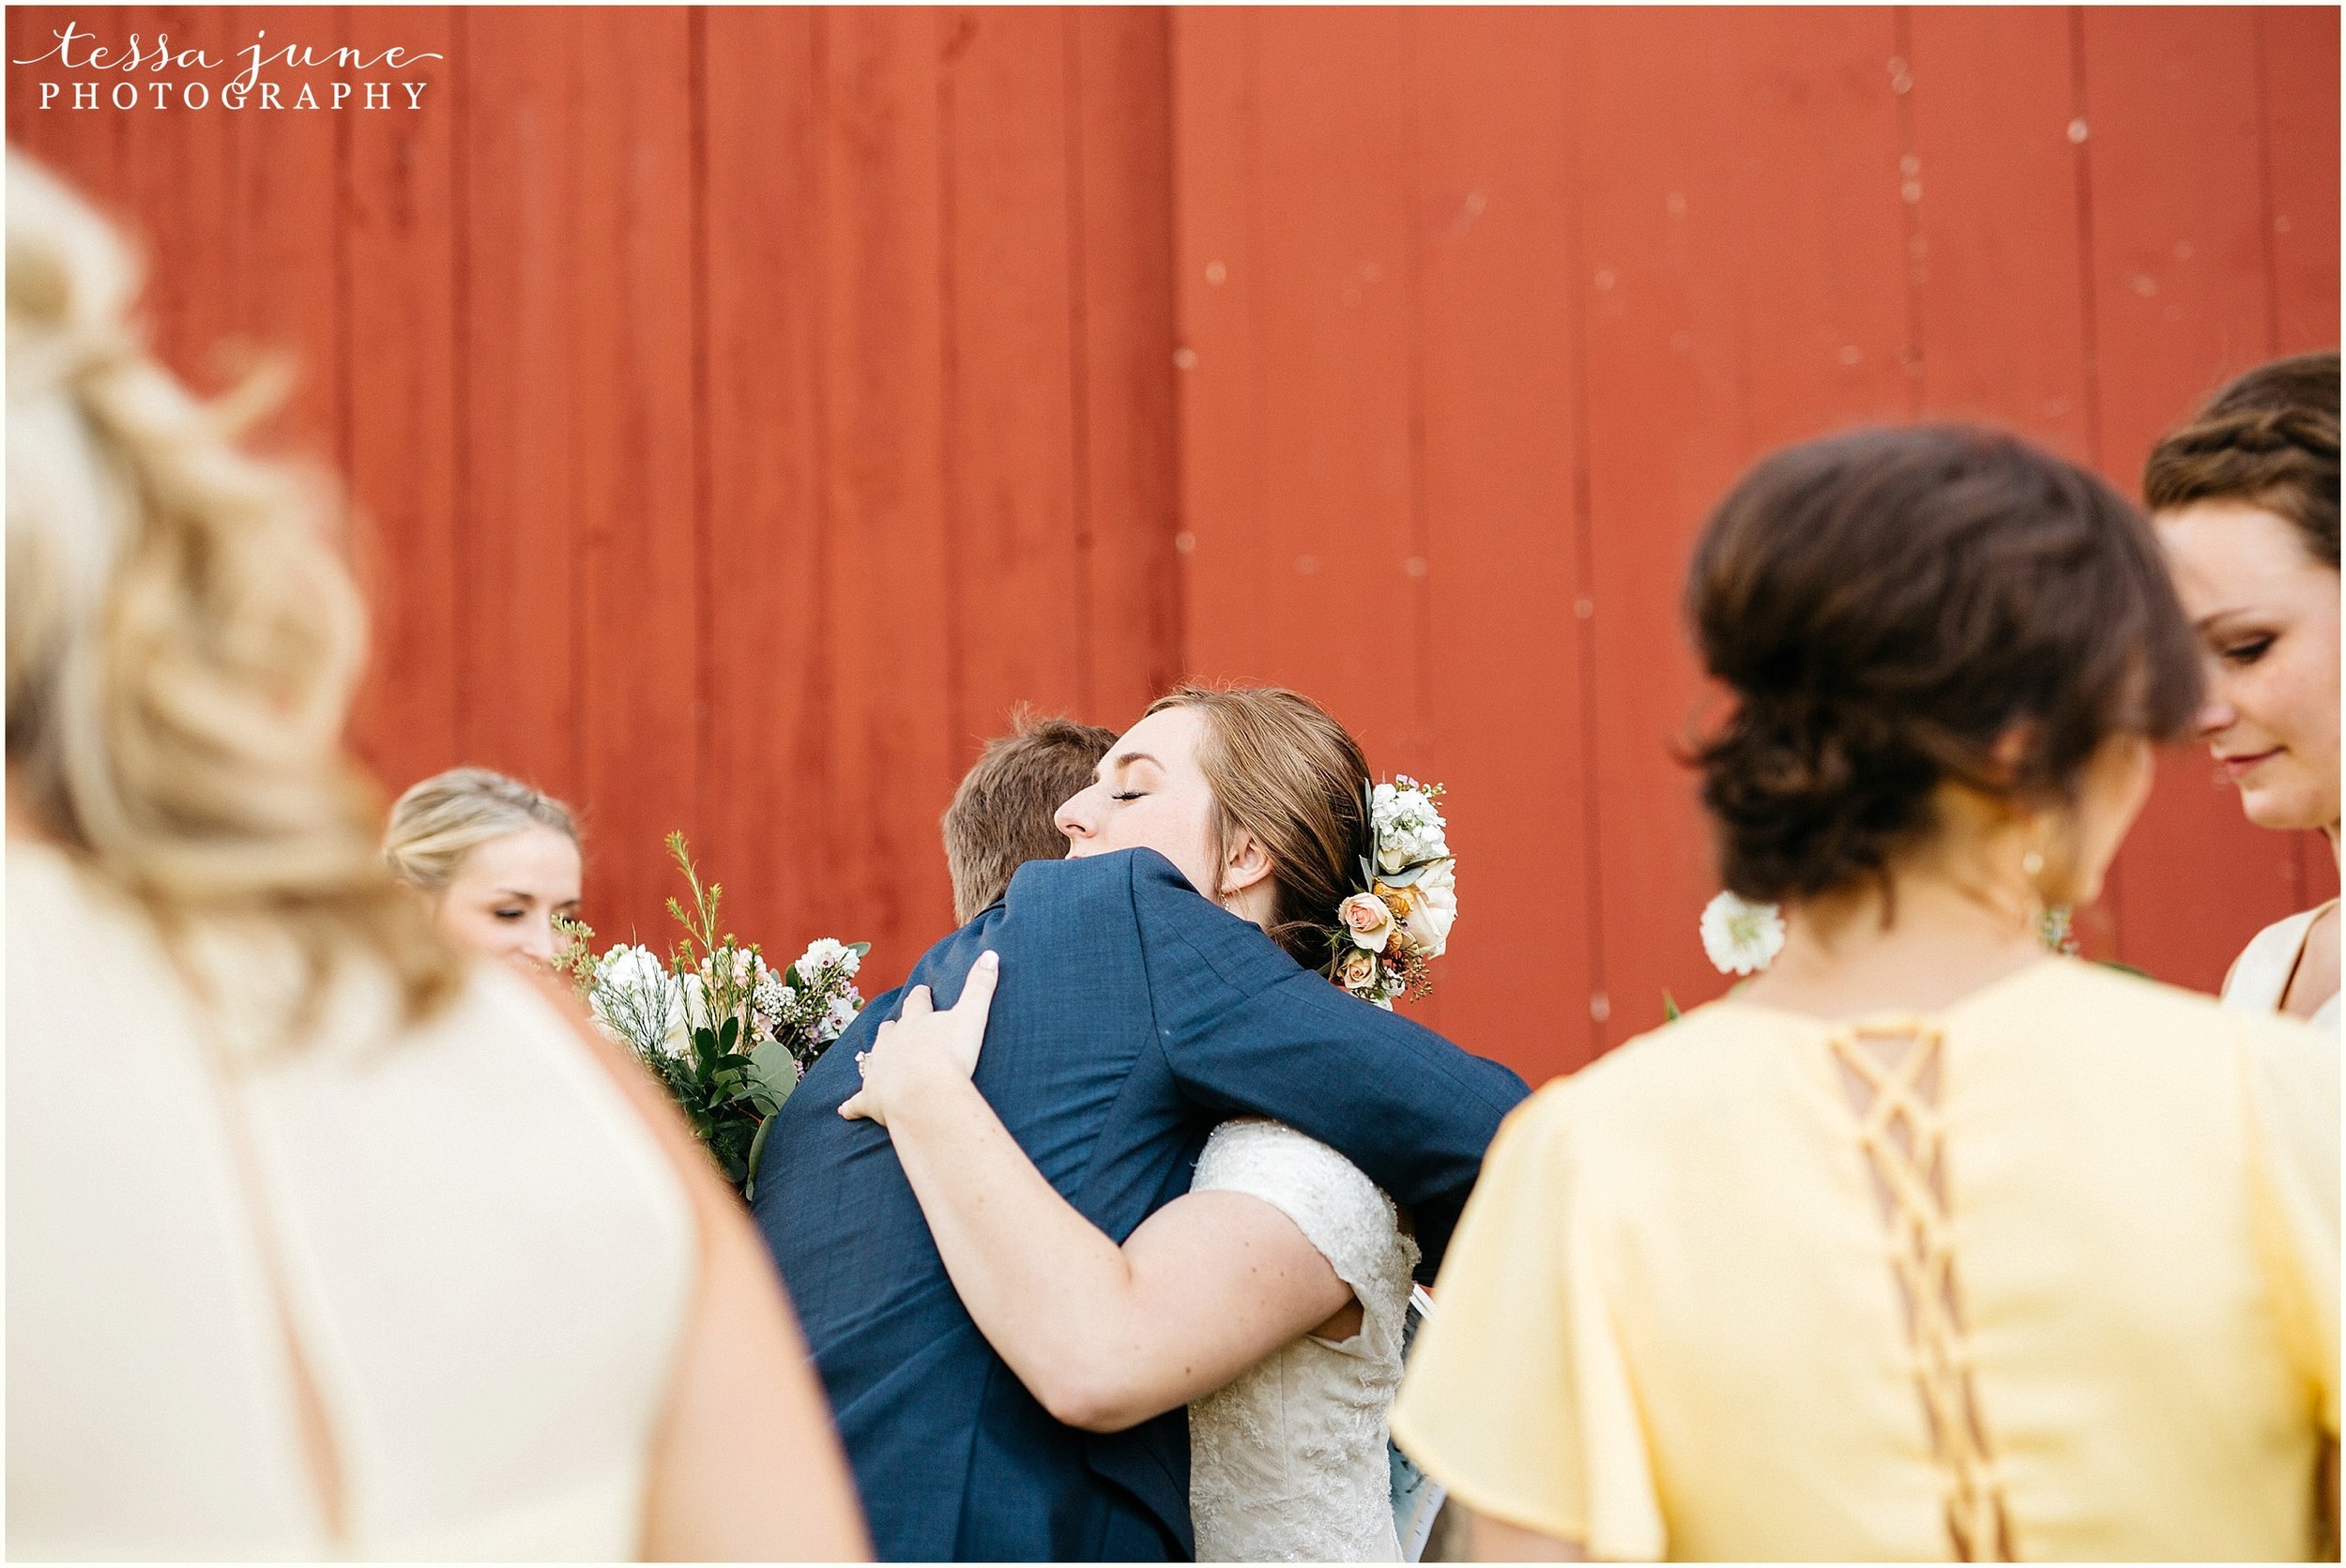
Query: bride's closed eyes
{"type": "Point", "coordinates": [2249, 649]}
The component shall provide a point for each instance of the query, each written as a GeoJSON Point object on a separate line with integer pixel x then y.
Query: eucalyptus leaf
{"type": "Point", "coordinates": [758, 1150]}
{"type": "Point", "coordinates": [777, 1069]}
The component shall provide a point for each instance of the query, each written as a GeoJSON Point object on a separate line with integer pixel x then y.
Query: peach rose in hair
{"type": "Point", "coordinates": [1357, 969]}
{"type": "Point", "coordinates": [1367, 920]}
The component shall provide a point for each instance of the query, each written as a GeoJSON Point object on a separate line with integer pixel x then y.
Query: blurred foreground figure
{"type": "Point", "coordinates": [1926, 1242]}
{"type": "Point", "coordinates": [321, 1240]}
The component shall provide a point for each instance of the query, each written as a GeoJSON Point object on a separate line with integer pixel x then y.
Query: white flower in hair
{"type": "Point", "coordinates": [1741, 937]}
{"type": "Point", "coordinates": [1433, 906]}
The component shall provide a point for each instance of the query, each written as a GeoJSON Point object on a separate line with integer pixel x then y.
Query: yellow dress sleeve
{"type": "Point", "coordinates": [1519, 1397]}
{"type": "Point", "coordinates": [2291, 1076]}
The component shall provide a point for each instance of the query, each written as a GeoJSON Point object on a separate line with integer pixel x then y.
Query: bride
{"type": "Point", "coordinates": [1270, 1297]}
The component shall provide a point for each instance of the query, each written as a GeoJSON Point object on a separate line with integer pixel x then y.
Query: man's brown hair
{"type": "Point", "coordinates": [1005, 812]}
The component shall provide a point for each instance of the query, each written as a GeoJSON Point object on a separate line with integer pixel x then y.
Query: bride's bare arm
{"type": "Point", "coordinates": [1103, 1337]}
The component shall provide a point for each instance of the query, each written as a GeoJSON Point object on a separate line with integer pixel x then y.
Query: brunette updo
{"type": "Point", "coordinates": [1283, 769]}
{"type": "Point", "coordinates": [2270, 439]}
{"type": "Point", "coordinates": [1887, 606]}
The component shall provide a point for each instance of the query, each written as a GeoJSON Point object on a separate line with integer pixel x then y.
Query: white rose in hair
{"type": "Point", "coordinates": [1433, 906]}
{"type": "Point", "coordinates": [1367, 920]}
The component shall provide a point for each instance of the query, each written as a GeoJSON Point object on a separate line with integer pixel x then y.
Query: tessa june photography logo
{"type": "Point", "coordinates": [154, 75]}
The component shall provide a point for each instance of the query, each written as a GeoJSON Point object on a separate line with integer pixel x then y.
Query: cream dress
{"type": "Point", "coordinates": [1287, 1462]}
{"type": "Point", "coordinates": [478, 1249]}
{"type": "Point", "coordinates": [2261, 975]}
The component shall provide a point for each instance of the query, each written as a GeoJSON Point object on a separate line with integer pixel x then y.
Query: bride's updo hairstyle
{"type": "Point", "coordinates": [1284, 771]}
{"type": "Point", "coordinates": [1888, 606]}
{"type": "Point", "coordinates": [182, 638]}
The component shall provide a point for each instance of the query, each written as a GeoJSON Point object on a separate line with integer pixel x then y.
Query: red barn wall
{"type": "Point", "coordinates": [742, 409]}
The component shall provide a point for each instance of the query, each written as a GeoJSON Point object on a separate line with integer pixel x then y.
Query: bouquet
{"type": "Point", "coordinates": [720, 1030]}
{"type": "Point", "coordinates": [1399, 920]}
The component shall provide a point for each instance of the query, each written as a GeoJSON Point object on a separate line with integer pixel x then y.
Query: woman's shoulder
{"type": "Point", "coordinates": [2260, 974]}
{"type": "Point", "coordinates": [1339, 1210]}
{"type": "Point", "coordinates": [1257, 1149]}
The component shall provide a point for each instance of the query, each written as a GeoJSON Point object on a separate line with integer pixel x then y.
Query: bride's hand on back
{"type": "Point", "coordinates": [922, 1049]}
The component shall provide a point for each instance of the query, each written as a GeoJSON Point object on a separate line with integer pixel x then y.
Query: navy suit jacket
{"type": "Point", "coordinates": [1132, 1017]}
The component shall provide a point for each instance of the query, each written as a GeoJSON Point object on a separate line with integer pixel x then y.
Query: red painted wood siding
{"type": "Point", "coordinates": [743, 408]}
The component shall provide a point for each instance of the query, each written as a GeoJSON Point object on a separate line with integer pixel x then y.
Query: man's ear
{"type": "Point", "coordinates": [1245, 864]}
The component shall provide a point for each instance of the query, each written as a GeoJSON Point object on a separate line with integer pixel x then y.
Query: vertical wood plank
{"type": "Point", "coordinates": [1218, 293]}
{"type": "Point", "coordinates": [1011, 408]}
{"type": "Point", "coordinates": [2298, 59]}
{"type": "Point", "coordinates": [884, 431]}
{"type": "Point", "coordinates": [2181, 304]}
{"type": "Point", "coordinates": [1323, 597]}
{"type": "Point", "coordinates": [402, 388]}
{"type": "Point", "coordinates": [1495, 258]}
{"type": "Point", "coordinates": [1992, 99]}
{"type": "Point", "coordinates": [766, 742]}
{"type": "Point", "coordinates": [631, 407]}
{"type": "Point", "coordinates": [517, 470]}
{"type": "Point", "coordinates": [1121, 138]}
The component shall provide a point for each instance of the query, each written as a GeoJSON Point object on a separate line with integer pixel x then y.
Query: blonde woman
{"type": "Point", "coordinates": [499, 861]}
{"type": "Point", "coordinates": [2246, 500]}
{"type": "Point", "coordinates": [288, 1272]}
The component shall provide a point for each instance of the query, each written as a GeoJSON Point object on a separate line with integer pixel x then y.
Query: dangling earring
{"type": "Point", "coordinates": [2034, 906]}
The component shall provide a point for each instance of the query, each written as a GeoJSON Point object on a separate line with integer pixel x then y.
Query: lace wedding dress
{"type": "Point", "coordinates": [1287, 1462]}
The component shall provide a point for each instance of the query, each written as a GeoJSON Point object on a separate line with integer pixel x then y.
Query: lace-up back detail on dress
{"type": "Point", "coordinates": [1891, 1070]}
{"type": "Point", "coordinates": [2051, 1275]}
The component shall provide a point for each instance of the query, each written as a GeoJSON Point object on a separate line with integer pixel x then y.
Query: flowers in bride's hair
{"type": "Point", "coordinates": [726, 1037]}
{"type": "Point", "coordinates": [1741, 937]}
{"type": "Point", "coordinates": [1409, 826]}
{"type": "Point", "coordinates": [1432, 904]}
{"type": "Point", "coordinates": [1398, 919]}
{"type": "Point", "coordinates": [1368, 919]}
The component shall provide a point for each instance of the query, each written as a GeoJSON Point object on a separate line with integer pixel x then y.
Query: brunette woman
{"type": "Point", "coordinates": [2246, 500]}
{"type": "Point", "coordinates": [1925, 1244]}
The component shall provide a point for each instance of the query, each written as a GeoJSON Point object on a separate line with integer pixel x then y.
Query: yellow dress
{"type": "Point", "coordinates": [1711, 1299]}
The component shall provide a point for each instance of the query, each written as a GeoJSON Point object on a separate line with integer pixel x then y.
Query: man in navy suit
{"type": "Point", "coordinates": [1132, 1017]}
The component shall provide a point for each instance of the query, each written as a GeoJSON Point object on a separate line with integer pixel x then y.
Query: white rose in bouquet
{"type": "Point", "coordinates": [635, 999]}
